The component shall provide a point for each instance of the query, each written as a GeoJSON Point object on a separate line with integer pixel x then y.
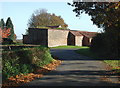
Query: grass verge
{"type": "Point", "coordinates": [115, 64]}
{"type": "Point", "coordinates": [64, 47]}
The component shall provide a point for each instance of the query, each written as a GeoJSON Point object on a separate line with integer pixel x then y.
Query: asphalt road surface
{"type": "Point", "coordinates": [76, 70]}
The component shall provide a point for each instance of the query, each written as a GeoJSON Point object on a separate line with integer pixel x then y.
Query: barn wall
{"type": "Point", "coordinates": [57, 37]}
{"type": "Point", "coordinates": [78, 40]}
{"type": "Point", "coordinates": [38, 36]}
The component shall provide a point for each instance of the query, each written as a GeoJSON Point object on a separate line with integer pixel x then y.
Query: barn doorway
{"type": "Point", "coordinates": [85, 41]}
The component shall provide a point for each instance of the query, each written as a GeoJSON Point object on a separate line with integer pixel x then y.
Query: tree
{"type": "Point", "coordinates": [9, 24]}
{"type": "Point", "coordinates": [2, 24]}
{"type": "Point", "coordinates": [4, 33]}
{"type": "Point", "coordinates": [105, 15]}
{"type": "Point", "coordinates": [40, 18]}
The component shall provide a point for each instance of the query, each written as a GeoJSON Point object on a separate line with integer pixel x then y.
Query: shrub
{"type": "Point", "coordinates": [24, 60]}
{"type": "Point", "coordinates": [12, 67]}
{"type": "Point", "coordinates": [40, 56]}
{"type": "Point", "coordinates": [26, 68]}
{"type": "Point", "coordinates": [9, 68]}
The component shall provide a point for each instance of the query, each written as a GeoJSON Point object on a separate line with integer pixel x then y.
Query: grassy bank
{"type": "Point", "coordinates": [115, 64]}
{"type": "Point", "coordinates": [24, 61]}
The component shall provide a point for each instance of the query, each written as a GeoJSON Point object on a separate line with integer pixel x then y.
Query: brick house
{"type": "Point", "coordinates": [58, 37]}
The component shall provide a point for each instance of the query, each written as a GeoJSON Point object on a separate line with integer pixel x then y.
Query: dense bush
{"type": "Point", "coordinates": [12, 67]}
{"type": "Point", "coordinates": [99, 45]}
{"type": "Point", "coordinates": [106, 45]}
{"type": "Point", "coordinates": [24, 60]}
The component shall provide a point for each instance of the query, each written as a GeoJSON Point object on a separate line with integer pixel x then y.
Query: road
{"type": "Point", "coordinates": [76, 70]}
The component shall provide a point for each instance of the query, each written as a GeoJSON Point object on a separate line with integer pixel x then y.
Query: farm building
{"type": "Point", "coordinates": [58, 37]}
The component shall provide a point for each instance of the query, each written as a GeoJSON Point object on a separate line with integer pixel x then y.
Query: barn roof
{"type": "Point", "coordinates": [88, 34]}
{"type": "Point", "coordinates": [84, 33]}
{"type": "Point", "coordinates": [76, 33]}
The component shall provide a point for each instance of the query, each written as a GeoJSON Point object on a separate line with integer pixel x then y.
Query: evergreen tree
{"type": "Point", "coordinates": [9, 24]}
{"type": "Point", "coordinates": [2, 24]}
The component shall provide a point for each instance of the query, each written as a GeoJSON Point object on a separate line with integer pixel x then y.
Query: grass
{"type": "Point", "coordinates": [86, 51]}
{"type": "Point", "coordinates": [115, 64]}
{"type": "Point", "coordinates": [64, 47]}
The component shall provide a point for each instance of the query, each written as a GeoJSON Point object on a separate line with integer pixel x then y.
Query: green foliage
{"type": "Point", "coordinates": [112, 41]}
{"type": "Point", "coordinates": [41, 56]}
{"type": "Point", "coordinates": [106, 45]}
{"type": "Point", "coordinates": [87, 52]}
{"type": "Point", "coordinates": [113, 63]}
{"type": "Point", "coordinates": [13, 67]}
{"type": "Point", "coordinates": [105, 15]}
{"type": "Point", "coordinates": [25, 56]}
{"type": "Point", "coordinates": [24, 60]}
{"type": "Point", "coordinates": [9, 24]}
{"type": "Point", "coordinates": [40, 18]}
{"type": "Point", "coordinates": [26, 68]}
{"type": "Point", "coordinates": [2, 24]}
{"type": "Point", "coordinates": [98, 43]}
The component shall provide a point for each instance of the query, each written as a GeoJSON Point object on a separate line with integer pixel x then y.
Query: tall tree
{"type": "Point", "coordinates": [2, 24]}
{"type": "Point", "coordinates": [9, 24]}
{"type": "Point", "coordinates": [105, 15]}
{"type": "Point", "coordinates": [42, 18]}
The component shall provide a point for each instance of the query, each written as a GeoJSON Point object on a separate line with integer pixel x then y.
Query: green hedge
{"type": "Point", "coordinates": [24, 60]}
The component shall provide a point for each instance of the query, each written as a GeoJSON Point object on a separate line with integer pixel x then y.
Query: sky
{"type": "Point", "coordinates": [20, 13]}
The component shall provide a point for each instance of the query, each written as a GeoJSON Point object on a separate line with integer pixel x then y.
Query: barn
{"type": "Point", "coordinates": [58, 37]}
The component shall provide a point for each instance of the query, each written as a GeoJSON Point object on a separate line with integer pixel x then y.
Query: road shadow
{"type": "Point", "coordinates": [70, 54]}
{"type": "Point", "coordinates": [74, 78]}
{"type": "Point", "coordinates": [85, 72]}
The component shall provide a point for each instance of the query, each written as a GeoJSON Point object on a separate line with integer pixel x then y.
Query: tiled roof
{"type": "Point", "coordinates": [88, 34]}
{"type": "Point", "coordinates": [84, 33]}
{"type": "Point", "coordinates": [76, 33]}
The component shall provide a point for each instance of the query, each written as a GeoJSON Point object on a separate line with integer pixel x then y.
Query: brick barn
{"type": "Point", "coordinates": [58, 37]}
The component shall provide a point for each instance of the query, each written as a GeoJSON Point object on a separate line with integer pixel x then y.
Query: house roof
{"type": "Point", "coordinates": [84, 33]}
